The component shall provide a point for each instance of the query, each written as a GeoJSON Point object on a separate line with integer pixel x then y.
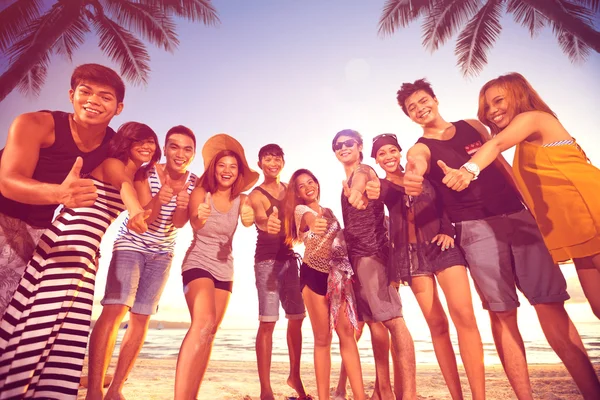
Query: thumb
{"type": "Point", "coordinates": [147, 214]}
{"type": "Point", "coordinates": [207, 198]}
{"type": "Point", "coordinates": [247, 201]}
{"type": "Point", "coordinates": [186, 186]}
{"type": "Point", "coordinates": [76, 169]}
{"type": "Point", "coordinates": [320, 213]}
{"type": "Point", "coordinates": [443, 166]}
{"type": "Point", "coordinates": [345, 184]}
{"type": "Point", "coordinates": [275, 212]}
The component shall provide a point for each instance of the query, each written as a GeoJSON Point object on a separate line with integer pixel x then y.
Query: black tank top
{"type": "Point", "coordinates": [271, 247]}
{"type": "Point", "coordinates": [491, 194]}
{"type": "Point", "coordinates": [53, 165]}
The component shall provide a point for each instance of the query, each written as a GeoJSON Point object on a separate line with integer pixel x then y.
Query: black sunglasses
{"type": "Point", "coordinates": [391, 135]}
{"type": "Point", "coordinates": [348, 143]}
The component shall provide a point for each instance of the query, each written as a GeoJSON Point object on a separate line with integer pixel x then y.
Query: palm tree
{"type": "Point", "coordinates": [31, 31]}
{"type": "Point", "coordinates": [479, 24]}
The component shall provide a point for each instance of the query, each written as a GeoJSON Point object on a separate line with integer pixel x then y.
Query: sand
{"type": "Point", "coordinates": [153, 379]}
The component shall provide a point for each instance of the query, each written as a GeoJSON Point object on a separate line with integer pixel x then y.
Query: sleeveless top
{"type": "Point", "coordinates": [364, 229]}
{"type": "Point", "coordinates": [53, 166]}
{"type": "Point", "coordinates": [272, 247]}
{"type": "Point", "coordinates": [489, 195]}
{"type": "Point", "coordinates": [211, 246]}
{"type": "Point", "coordinates": [161, 234]}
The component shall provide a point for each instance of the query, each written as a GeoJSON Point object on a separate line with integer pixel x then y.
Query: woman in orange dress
{"type": "Point", "coordinates": [558, 183]}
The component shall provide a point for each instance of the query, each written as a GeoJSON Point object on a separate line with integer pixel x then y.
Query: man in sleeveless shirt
{"type": "Point", "coordinates": [378, 302]}
{"type": "Point", "coordinates": [140, 265]}
{"type": "Point", "coordinates": [45, 161]}
{"type": "Point", "coordinates": [499, 237]}
{"type": "Point", "coordinates": [276, 271]}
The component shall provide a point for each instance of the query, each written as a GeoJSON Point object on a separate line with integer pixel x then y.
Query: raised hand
{"type": "Point", "coordinates": [319, 225]}
{"type": "Point", "coordinates": [204, 209]}
{"type": "Point", "coordinates": [165, 194]}
{"type": "Point", "coordinates": [75, 191]}
{"type": "Point", "coordinates": [247, 212]}
{"type": "Point", "coordinates": [355, 197]}
{"type": "Point", "coordinates": [373, 188]}
{"type": "Point", "coordinates": [273, 222]}
{"type": "Point", "coordinates": [455, 179]}
{"type": "Point", "coordinates": [183, 197]}
{"type": "Point", "coordinates": [413, 180]}
{"type": "Point", "coordinates": [137, 223]}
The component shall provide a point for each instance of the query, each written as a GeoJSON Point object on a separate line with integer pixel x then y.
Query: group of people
{"type": "Point", "coordinates": [457, 206]}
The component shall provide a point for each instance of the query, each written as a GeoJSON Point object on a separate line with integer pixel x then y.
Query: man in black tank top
{"type": "Point", "coordinates": [499, 237]}
{"type": "Point", "coordinates": [46, 154]}
{"type": "Point", "coordinates": [276, 272]}
{"type": "Point", "coordinates": [378, 302]}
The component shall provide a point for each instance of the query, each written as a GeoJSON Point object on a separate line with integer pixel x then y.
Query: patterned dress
{"type": "Point", "coordinates": [44, 332]}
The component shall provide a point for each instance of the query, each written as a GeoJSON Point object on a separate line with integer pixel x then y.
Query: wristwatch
{"type": "Point", "coordinates": [472, 168]}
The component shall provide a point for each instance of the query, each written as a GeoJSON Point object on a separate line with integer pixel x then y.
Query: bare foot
{"type": "Point", "coordinates": [296, 384]}
{"type": "Point", "coordinates": [339, 396]}
{"type": "Point", "coordinates": [114, 395]}
{"type": "Point", "coordinates": [267, 396]}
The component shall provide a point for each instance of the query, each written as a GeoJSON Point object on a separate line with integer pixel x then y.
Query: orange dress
{"type": "Point", "coordinates": [562, 190]}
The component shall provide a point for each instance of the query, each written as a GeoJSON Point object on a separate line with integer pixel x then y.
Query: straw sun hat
{"type": "Point", "coordinates": [222, 141]}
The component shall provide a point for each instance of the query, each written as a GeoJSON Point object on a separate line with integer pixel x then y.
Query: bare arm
{"type": "Point", "coordinates": [260, 213]}
{"type": "Point", "coordinates": [142, 188]}
{"type": "Point", "coordinates": [115, 174]}
{"type": "Point", "coordinates": [417, 166]}
{"type": "Point", "coordinates": [181, 214]}
{"type": "Point", "coordinates": [199, 207]}
{"type": "Point", "coordinates": [27, 135]}
{"type": "Point", "coordinates": [246, 211]}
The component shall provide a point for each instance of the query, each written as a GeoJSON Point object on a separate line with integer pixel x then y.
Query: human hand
{"type": "Point", "coordinates": [204, 209]}
{"type": "Point", "coordinates": [444, 241]}
{"type": "Point", "coordinates": [319, 225]}
{"type": "Point", "coordinates": [413, 180]}
{"type": "Point", "coordinates": [273, 222]}
{"type": "Point", "coordinates": [74, 191]}
{"type": "Point", "coordinates": [455, 179]}
{"type": "Point", "coordinates": [183, 197]}
{"type": "Point", "coordinates": [165, 194]}
{"type": "Point", "coordinates": [137, 223]}
{"type": "Point", "coordinates": [247, 212]}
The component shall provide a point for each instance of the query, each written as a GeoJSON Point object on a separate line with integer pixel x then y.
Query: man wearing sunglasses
{"type": "Point", "coordinates": [377, 301]}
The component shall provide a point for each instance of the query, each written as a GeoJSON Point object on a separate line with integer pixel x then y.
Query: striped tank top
{"type": "Point", "coordinates": [161, 234]}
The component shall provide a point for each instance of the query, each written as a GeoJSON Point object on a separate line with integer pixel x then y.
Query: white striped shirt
{"type": "Point", "coordinates": [161, 234]}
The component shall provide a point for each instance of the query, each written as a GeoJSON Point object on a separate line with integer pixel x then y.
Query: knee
{"type": "Point", "coordinates": [204, 327]}
{"type": "Point", "coordinates": [438, 326]}
{"type": "Point", "coordinates": [503, 317]}
{"type": "Point", "coordinates": [266, 328]}
{"type": "Point", "coordinates": [139, 321]}
{"type": "Point", "coordinates": [322, 339]}
{"type": "Point", "coordinates": [464, 318]}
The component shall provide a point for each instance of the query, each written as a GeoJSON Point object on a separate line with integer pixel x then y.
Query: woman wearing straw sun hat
{"type": "Point", "coordinates": [207, 270]}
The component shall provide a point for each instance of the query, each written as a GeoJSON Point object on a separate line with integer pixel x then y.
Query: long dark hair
{"type": "Point", "coordinates": [208, 181]}
{"type": "Point", "coordinates": [126, 136]}
{"type": "Point", "coordinates": [291, 201]}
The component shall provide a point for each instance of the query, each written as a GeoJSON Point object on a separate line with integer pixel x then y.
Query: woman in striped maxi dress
{"type": "Point", "coordinates": [44, 332]}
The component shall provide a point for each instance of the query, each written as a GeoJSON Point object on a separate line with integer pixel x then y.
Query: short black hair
{"type": "Point", "coordinates": [407, 89]}
{"type": "Point", "coordinates": [182, 130]}
{"type": "Point", "coordinates": [99, 74]}
{"type": "Point", "coordinates": [270, 149]}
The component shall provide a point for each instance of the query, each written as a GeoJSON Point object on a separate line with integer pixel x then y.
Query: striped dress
{"type": "Point", "coordinates": [44, 332]}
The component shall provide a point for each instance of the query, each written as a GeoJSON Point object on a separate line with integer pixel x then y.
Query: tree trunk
{"type": "Point", "coordinates": [554, 11]}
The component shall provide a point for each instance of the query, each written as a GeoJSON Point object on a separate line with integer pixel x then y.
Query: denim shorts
{"type": "Point", "coordinates": [278, 281]}
{"type": "Point", "coordinates": [137, 280]}
{"type": "Point", "coordinates": [506, 252]}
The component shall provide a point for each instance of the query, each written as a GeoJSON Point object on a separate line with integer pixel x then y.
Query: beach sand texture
{"type": "Point", "coordinates": [153, 379]}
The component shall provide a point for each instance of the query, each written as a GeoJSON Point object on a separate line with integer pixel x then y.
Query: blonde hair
{"type": "Point", "coordinates": [520, 95]}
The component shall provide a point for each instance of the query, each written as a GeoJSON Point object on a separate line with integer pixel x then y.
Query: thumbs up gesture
{"type": "Point", "coordinates": [455, 179]}
{"type": "Point", "coordinates": [183, 197]}
{"type": "Point", "coordinates": [247, 212]}
{"type": "Point", "coordinates": [273, 222]}
{"type": "Point", "coordinates": [373, 188]}
{"type": "Point", "coordinates": [165, 194]}
{"type": "Point", "coordinates": [319, 225]}
{"type": "Point", "coordinates": [355, 197]}
{"type": "Point", "coordinates": [204, 209]}
{"type": "Point", "coordinates": [413, 180]}
{"type": "Point", "coordinates": [76, 192]}
{"type": "Point", "coordinates": [137, 223]}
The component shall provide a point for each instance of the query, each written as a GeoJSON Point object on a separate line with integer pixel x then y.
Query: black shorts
{"type": "Point", "coordinates": [315, 280]}
{"type": "Point", "coordinates": [196, 273]}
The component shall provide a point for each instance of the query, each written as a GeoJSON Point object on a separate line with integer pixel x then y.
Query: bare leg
{"type": "Point", "coordinates": [130, 348]}
{"type": "Point", "coordinates": [405, 348]}
{"type": "Point", "coordinates": [511, 351]}
{"type": "Point", "coordinates": [455, 284]}
{"type": "Point", "coordinates": [207, 307]}
{"type": "Point", "coordinates": [380, 340]}
{"type": "Point", "coordinates": [102, 345]}
{"type": "Point", "coordinates": [425, 291]}
{"type": "Point", "coordinates": [565, 341]}
{"type": "Point", "coordinates": [294, 342]}
{"type": "Point", "coordinates": [340, 391]}
{"type": "Point", "coordinates": [349, 353]}
{"type": "Point", "coordinates": [588, 270]}
{"type": "Point", "coordinates": [264, 351]}
{"type": "Point", "coordinates": [397, 371]}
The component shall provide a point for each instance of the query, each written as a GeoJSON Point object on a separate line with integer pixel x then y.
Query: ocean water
{"type": "Point", "coordinates": [238, 345]}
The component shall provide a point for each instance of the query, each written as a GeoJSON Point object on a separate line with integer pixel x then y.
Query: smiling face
{"type": "Point", "coordinates": [421, 107]}
{"type": "Point", "coordinates": [347, 149]}
{"type": "Point", "coordinates": [179, 152]}
{"type": "Point", "coordinates": [271, 165]}
{"type": "Point", "coordinates": [94, 104]}
{"type": "Point", "coordinates": [142, 151]}
{"type": "Point", "coordinates": [388, 157]}
{"type": "Point", "coordinates": [226, 171]}
{"type": "Point", "coordinates": [497, 109]}
{"type": "Point", "coordinates": [307, 189]}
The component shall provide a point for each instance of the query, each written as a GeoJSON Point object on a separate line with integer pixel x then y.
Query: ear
{"type": "Point", "coordinates": [259, 164]}
{"type": "Point", "coordinates": [119, 108]}
{"type": "Point", "coordinates": [436, 100]}
{"type": "Point", "coordinates": [360, 148]}
{"type": "Point", "coordinates": [71, 95]}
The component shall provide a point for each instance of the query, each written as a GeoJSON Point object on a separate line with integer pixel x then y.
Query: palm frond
{"type": "Point", "coordinates": [192, 10]}
{"type": "Point", "coordinates": [444, 19]}
{"type": "Point", "coordinates": [148, 20]}
{"type": "Point", "coordinates": [34, 79]}
{"type": "Point", "coordinates": [572, 46]}
{"type": "Point", "coordinates": [527, 16]}
{"type": "Point", "coordinates": [593, 5]}
{"type": "Point", "coordinates": [400, 13]}
{"type": "Point", "coordinates": [15, 18]}
{"type": "Point", "coordinates": [478, 37]}
{"type": "Point", "coordinates": [71, 38]}
{"type": "Point", "coordinates": [123, 47]}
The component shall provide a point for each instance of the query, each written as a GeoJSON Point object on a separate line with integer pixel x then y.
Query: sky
{"type": "Point", "coordinates": [295, 73]}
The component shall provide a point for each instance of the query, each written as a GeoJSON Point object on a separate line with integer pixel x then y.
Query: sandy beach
{"type": "Point", "coordinates": [152, 379]}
